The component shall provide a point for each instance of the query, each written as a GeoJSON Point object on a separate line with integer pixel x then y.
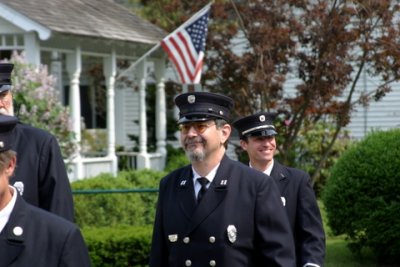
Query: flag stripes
{"type": "Point", "coordinates": [185, 47]}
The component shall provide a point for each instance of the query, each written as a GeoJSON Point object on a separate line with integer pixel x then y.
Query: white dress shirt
{"type": "Point", "coordinates": [6, 211]}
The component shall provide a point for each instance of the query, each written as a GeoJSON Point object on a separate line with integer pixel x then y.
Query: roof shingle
{"type": "Point", "coordinates": [95, 18]}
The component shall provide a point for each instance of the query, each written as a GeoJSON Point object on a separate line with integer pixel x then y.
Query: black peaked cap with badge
{"type": "Point", "coordinates": [7, 124]}
{"type": "Point", "coordinates": [259, 124]}
{"type": "Point", "coordinates": [202, 106]}
{"type": "Point", "coordinates": [5, 76]}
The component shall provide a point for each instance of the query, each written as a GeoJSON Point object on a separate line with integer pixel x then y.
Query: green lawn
{"type": "Point", "coordinates": [337, 252]}
{"type": "Point", "coordinates": [338, 255]}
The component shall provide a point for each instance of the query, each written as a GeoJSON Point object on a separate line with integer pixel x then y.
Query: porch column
{"type": "Point", "coordinates": [143, 159]}
{"type": "Point", "coordinates": [161, 110]}
{"type": "Point", "coordinates": [110, 70]}
{"type": "Point", "coordinates": [32, 48]}
{"type": "Point", "coordinates": [74, 67]}
{"type": "Point", "coordinates": [56, 71]}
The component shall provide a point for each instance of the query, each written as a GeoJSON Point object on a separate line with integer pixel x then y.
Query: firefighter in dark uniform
{"type": "Point", "coordinates": [216, 211]}
{"type": "Point", "coordinates": [40, 177]}
{"type": "Point", "coordinates": [30, 236]}
{"type": "Point", "coordinates": [257, 133]}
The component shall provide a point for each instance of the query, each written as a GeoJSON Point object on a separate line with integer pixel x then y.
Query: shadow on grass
{"type": "Point", "coordinates": [339, 255]}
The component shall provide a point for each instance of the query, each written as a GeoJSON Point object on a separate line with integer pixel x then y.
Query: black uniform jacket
{"type": "Point", "coordinates": [34, 237]}
{"type": "Point", "coordinates": [303, 212]}
{"type": "Point", "coordinates": [239, 222]}
{"type": "Point", "coordinates": [41, 169]}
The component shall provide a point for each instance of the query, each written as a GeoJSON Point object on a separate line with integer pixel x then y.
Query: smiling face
{"type": "Point", "coordinates": [203, 140]}
{"type": "Point", "coordinates": [7, 166]}
{"type": "Point", "coordinates": [261, 150]}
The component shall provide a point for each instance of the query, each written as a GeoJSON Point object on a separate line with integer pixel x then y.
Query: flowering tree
{"type": "Point", "coordinates": [36, 102]}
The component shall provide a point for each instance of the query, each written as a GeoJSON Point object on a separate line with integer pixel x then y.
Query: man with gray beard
{"type": "Point", "coordinates": [216, 211]}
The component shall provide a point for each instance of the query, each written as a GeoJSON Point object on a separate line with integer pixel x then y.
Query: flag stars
{"type": "Point", "coordinates": [198, 32]}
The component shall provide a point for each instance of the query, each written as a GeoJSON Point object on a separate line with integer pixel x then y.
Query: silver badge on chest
{"type": "Point", "coordinates": [232, 233]}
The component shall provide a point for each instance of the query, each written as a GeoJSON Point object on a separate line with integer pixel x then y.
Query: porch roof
{"type": "Point", "coordinates": [88, 18]}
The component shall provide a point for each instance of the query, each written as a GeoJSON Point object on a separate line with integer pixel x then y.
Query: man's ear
{"type": "Point", "coordinates": [243, 144]}
{"type": "Point", "coordinates": [11, 166]}
{"type": "Point", "coordinates": [225, 133]}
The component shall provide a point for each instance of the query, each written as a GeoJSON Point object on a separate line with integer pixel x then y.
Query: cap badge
{"type": "Point", "coordinates": [262, 118]}
{"type": "Point", "coordinates": [232, 233]}
{"type": "Point", "coordinates": [221, 112]}
{"type": "Point", "coordinates": [191, 99]}
{"type": "Point", "coordinates": [1, 144]}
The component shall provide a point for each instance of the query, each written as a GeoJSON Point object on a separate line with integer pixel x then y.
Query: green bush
{"type": "Point", "coordinates": [362, 195]}
{"type": "Point", "coordinates": [118, 246]}
{"type": "Point", "coordinates": [111, 209]}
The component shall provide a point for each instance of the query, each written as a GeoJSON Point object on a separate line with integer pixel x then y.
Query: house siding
{"type": "Point", "coordinates": [381, 115]}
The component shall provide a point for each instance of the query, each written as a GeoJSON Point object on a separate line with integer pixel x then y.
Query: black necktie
{"type": "Point", "coordinates": [203, 181]}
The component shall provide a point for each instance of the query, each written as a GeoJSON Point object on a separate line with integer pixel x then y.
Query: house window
{"type": "Point", "coordinates": [11, 42]}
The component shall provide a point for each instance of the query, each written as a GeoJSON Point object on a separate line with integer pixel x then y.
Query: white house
{"type": "Point", "coordinates": [73, 36]}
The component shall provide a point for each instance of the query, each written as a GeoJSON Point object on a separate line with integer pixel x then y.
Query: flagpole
{"type": "Point", "coordinates": [191, 19]}
{"type": "Point", "coordinates": [133, 65]}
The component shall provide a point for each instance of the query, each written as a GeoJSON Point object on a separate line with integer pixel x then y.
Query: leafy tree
{"type": "Point", "coordinates": [167, 14]}
{"type": "Point", "coordinates": [326, 44]}
{"type": "Point", "coordinates": [36, 102]}
{"type": "Point", "coordinates": [254, 47]}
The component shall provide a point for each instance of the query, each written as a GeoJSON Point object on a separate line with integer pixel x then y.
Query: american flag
{"type": "Point", "coordinates": [185, 46]}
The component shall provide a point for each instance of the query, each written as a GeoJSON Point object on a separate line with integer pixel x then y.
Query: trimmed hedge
{"type": "Point", "coordinates": [117, 227]}
{"type": "Point", "coordinates": [110, 209]}
{"type": "Point", "coordinates": [118, 246]}
{"type": "Point", "coordinates": [362, 195]}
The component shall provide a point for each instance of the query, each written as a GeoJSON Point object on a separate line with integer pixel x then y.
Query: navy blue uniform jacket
{"type": "Point", "coordinates": [41, 169]}
{"type": "Point", "coordinates": [303, 212]}
{"type": "Point", "coordinates": [239, 198]}
{"type": "Point", "coordinates": [43, 240]}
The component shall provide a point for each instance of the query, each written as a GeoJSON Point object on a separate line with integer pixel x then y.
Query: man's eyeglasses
{"type": "Point", "coordinates": [199, 127]}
